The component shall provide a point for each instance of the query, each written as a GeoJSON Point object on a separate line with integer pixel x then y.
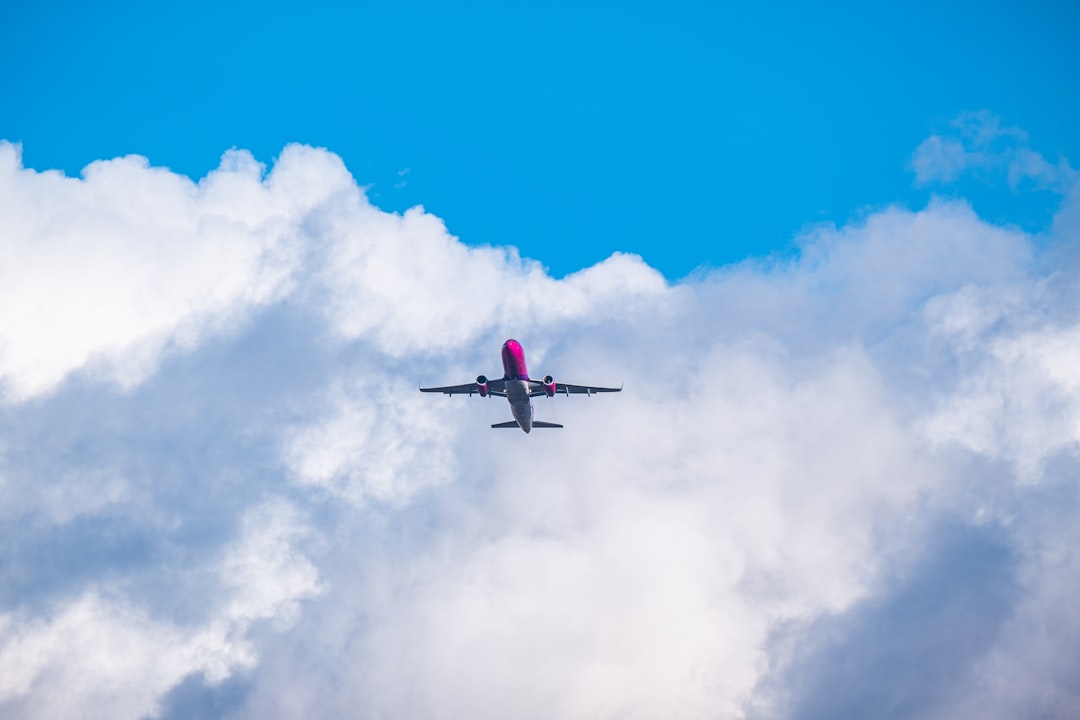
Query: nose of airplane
{"type": "Point", "coordinates": [513, 357]}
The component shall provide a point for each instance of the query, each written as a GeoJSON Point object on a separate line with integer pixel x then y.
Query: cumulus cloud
{"type": "Point", "coordinates": [108, 271]}
{"type": "Point", "coordinates": [830, 479]}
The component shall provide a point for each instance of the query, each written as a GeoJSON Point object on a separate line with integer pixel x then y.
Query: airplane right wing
{"type": "Point", "coordinates": [495, 387]}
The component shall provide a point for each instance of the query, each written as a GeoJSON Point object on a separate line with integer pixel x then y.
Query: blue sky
{"type": "Point", "coordinates": [692, 134]}
{"type": "Point", "coordinates": [831, 255]}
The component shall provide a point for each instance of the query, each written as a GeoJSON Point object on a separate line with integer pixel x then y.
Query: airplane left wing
{"type": "Point", "coordinates": [537, 388]}
{"type": "Point", "coordinates": [495, 387]}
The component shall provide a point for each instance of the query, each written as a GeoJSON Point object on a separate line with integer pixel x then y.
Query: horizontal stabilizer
{"type": "Point", "coordinates": [536, 424]}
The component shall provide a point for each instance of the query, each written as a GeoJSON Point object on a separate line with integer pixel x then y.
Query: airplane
{"type": "Point", "coordinates": [518, 388]}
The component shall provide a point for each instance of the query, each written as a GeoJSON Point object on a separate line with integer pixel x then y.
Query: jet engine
{"type": "Point", "coordinates": [549, 386]}
{"type": "Point", "coordinates": [482, 386]}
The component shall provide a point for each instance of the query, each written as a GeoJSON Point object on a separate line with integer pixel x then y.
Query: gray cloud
{"type": "Point", "coordinates": [906, 651]}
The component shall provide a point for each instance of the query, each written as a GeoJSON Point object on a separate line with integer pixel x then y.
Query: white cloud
{"type": "Point", "coordinates": [404, 283]}
{"type": "Point", "coordinates": [767, 494]}
{"type": "Point", "coordinates": [979, 142]}
{"type": "Point", "coordinates": [265, 571]}
{"type": "Point", "coordinates": [100, 655]}
{"type": "Point", "coordinates": [1020, 399]}
{"type": "Point", "coordinates": [645, 582]}
{"type": "Point", "coordinates": [109, 270]}
{"type": "Point", "coordinates": [377, 441]}
{"type": "Point", "coordinates": [94, 657]}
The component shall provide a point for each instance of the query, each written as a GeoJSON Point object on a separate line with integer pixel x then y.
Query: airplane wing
{"type": "Point", "coordinates": [537, 389]}
{"type": "Point", "coordinates": [495, 387]}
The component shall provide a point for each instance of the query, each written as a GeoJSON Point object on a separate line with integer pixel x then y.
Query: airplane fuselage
{"type": "Point", "coordinates": [516, 375]}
